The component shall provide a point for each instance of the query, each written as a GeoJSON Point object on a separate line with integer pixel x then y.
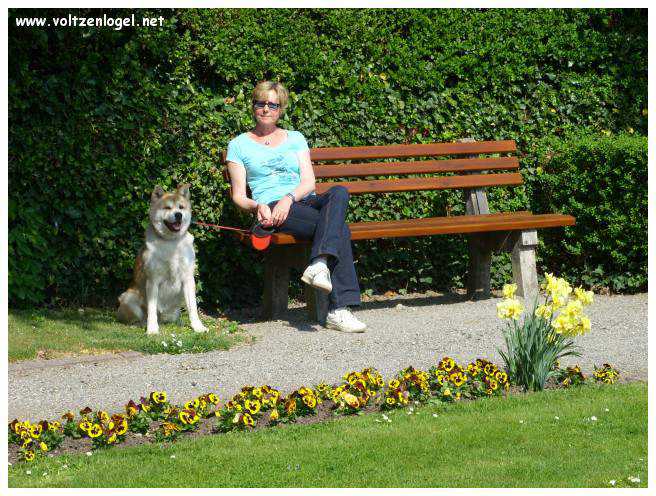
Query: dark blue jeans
{"type": "Point", "coordinates": [322, 219]}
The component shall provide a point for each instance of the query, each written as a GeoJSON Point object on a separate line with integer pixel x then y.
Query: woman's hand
{"type": "Point", "coordinates": [281, 210]}
{"type": "Point", "coordinates": [264, 214]}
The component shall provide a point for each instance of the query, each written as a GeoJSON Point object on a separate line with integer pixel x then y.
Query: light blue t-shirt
{"type": "Point", "coordinates": [271, 172]}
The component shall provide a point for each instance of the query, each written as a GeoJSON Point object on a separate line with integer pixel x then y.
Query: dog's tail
{"type": "Point", "coordinates": [130, 309]}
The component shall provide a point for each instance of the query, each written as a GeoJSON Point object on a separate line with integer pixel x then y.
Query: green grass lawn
{"type": "Point", "coordinates": [58, 333]}
{"type": "Point", "coordinates": [513, 442]}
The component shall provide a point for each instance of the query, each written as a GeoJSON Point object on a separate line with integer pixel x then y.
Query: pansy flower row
{"type": "Point", "coordinates": [447, 381]}
{"type": "Point", "coordinates": [573, 376]}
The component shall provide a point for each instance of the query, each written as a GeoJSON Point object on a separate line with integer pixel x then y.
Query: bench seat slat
{"type": "Point", "coordinates": [462, 224]}
{"type": "Point", "coordinates": [419, 150]}
{"type": "Point", "coordinates": [424, 183]}
{"type": "Point", "coordinates": [423, 167]}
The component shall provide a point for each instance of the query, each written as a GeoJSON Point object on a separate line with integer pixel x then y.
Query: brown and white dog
{"type": "Point", "coordinates": [164, 269]}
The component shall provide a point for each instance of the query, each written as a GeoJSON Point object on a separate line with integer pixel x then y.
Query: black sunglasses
{"type": "Point", "coordinates": [260, 104]}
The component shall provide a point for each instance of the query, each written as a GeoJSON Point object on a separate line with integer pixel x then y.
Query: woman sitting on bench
{"type": "Point", "coordinates": [277, 167]}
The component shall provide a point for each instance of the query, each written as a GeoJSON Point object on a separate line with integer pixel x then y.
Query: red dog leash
{"type": "Point", "coordinates": [259, 235]}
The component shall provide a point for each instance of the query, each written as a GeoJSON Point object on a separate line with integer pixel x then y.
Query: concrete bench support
{"type": "Point", "coordinates": [279, 261]}
{"type": "Point", "coordinates": [525, 273]}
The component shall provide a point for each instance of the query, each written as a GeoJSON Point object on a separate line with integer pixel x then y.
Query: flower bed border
{"type": "Point", "coordinates": [415, 386]}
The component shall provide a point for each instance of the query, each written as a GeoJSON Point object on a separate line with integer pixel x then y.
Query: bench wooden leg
{"type": "Point", "coordinates": [480, 261]}
{"type": "Point", "coordinates": [525, 273]}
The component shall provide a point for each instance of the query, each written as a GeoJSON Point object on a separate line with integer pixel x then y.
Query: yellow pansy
{"type": "Point", "coordinates": [252, 406]}
{"type": "Point", "coordinates": [95, 430]}
{"type": "Point", "coordinates": [351, 400]}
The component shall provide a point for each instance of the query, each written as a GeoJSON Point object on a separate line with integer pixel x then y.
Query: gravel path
{"type": "Point", "coordinates": [417, 330]}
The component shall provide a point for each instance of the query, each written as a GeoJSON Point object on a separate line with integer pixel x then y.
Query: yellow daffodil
{"type": "Point", "coordinates": [509, 291]}
{"type": "Point", "coordinates": [509, 309]}
{"type": "Point", "coordinates": [585, 297]}
{"type": "Point", "coordinates": [585, 324]}
{"type": "Point", "coordinates": [563, 325]}
{"type": "Point", "coordinates": [543, 311]}
{"type": "Point", "coordinates": [572, 309]}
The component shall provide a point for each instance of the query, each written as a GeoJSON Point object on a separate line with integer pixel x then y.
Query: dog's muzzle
{"type": "Point", "coordinates": [176, 224]}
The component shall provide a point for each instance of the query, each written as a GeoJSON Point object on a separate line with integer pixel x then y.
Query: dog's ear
{"type": "Point", "coordinates": [183, 190]}
{"type": "Point", "coordinates": [158, 192]}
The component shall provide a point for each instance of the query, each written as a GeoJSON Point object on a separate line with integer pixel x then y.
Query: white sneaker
{"type": "Point", "coordinates": [318, 276]}
{"type": "Point", "coordinates": [343, 320]}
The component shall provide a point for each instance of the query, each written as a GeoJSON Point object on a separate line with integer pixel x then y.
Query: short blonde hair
{"type": "Point", "coordinates": [262, 89]}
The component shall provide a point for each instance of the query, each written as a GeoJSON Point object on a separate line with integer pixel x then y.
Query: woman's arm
{"type": "Point", "coordinates": [307, 184]}
{"type": "Point", "coordinates": [281, 210]}
{"type": "Point", "coordinates": [238, 185]}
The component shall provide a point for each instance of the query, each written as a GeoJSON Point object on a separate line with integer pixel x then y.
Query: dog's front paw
{"type": "Point", "coordinates": [152, 330]}
{"type": "Point", "coordinates": [198, 326]}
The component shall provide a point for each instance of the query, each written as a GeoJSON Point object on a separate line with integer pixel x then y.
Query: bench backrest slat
{"type": "Point", "coordinates": [469, 166]}
{"type": "Point", "coordinates": [421, 150]}
{"type": "Point", "coordinates": [424, 183]}
{"type": "Point", "coordinates": [423, 167]}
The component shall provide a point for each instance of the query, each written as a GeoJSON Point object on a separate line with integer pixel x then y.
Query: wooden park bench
{"type": "Point", "coordinates": [475, 166]}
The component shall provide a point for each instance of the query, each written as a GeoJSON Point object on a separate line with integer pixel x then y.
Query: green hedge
{"type": "Point", "coordinates": [602, 181]}
{"type": "Point", "coordinates": [98, 117]}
